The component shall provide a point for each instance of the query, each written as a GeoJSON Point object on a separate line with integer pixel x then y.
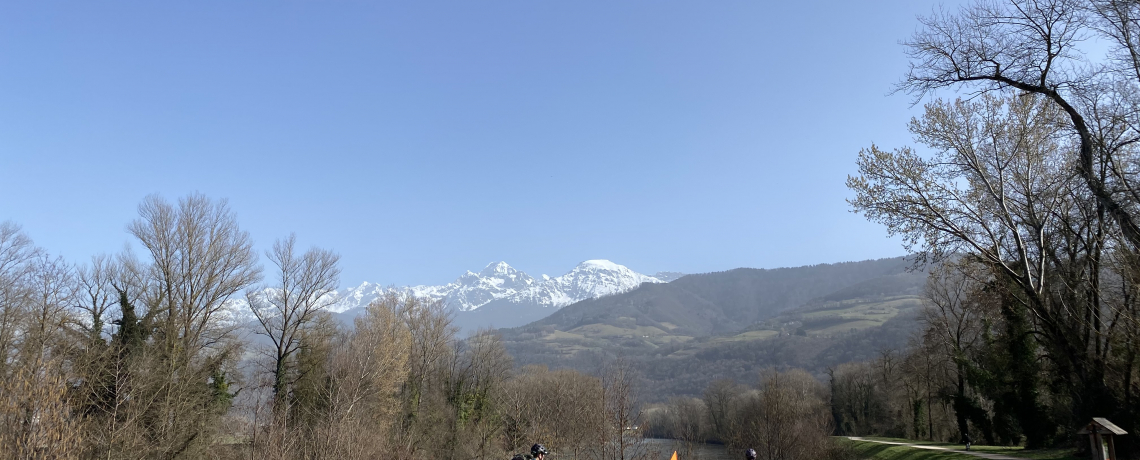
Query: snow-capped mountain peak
{"type": "Point", "coordinates": [498, 268]}
{"type": "Point", "coordinates": [590, 279]}
{"type": "Point", "coordinates": [600, 264]}
{"type": "Point", "coordinates": [498, 281]}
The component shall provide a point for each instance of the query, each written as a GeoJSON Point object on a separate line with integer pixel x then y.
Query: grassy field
{"type": "Point", "coordinates": [857, 314]}
{"type": "Point", "coordinates": [750, 335]}
{"type": "Point", "coordinates": [876, 451]}
{"type": "Point", "coordinates": [836, 317]}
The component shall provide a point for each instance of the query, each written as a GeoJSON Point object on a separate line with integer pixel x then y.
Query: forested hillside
{"type": "Point", "coordinates": [733, 324]}
{"type": "Point", "coordinates": [718, 303]}
{"type": "Point", "coordinates": [142, 355]}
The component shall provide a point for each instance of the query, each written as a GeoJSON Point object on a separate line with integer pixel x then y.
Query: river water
{"type": "Point", "coordinates": [662, 449]}
{"type": "Point", "coordinates": [665, 447]}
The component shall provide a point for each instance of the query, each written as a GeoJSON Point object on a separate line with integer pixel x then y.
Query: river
{"type": "Point", "coordinates": [700, 451]}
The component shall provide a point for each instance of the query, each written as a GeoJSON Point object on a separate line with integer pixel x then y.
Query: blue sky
{"type": "Point", "coordinates": [421, 139]}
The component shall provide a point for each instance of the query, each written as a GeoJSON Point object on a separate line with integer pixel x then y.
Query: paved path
{"type": "Point", "coordinates": [921, 446]}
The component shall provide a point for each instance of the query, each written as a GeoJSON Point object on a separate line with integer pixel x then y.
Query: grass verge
{"type": "Point", "coordinates": [877, 451]}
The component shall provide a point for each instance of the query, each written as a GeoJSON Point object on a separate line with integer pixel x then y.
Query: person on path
{"type": "Point", "coordinates": [968, 440]}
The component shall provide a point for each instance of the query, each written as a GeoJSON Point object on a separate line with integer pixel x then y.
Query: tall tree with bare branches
{"type": "Point", "coordinates": [197, 260]}
{"type": "Point", "coordinates": [1033, 46]}
{"type": "Point", "coordinates": [305, 284]}
{"type": "Point", "coordinates": [16, 255]}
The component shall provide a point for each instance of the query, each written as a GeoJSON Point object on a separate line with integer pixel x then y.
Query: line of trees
{"type": "Point", "coordinates": [188, 349]}
{"type": "Point", "coordinates": [400, 384]}
{"type": "Point", "coordinates": [784, 417]}
{"type": "Point", "coordinates": [1027, 191]}
{"type": "Point", "coordinates": [976, 368]}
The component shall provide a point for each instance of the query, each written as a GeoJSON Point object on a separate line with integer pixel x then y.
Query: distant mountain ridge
{"type": "Point", "coordinates": [509, 297]}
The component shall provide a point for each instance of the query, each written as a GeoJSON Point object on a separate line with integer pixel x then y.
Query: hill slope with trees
{"type": "Point", "coordinates": [732, 324]}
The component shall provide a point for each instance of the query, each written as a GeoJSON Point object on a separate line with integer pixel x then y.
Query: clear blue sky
{"type": "Point", "coordinates": [420, 139]}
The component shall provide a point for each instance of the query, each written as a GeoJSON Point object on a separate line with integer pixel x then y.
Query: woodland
{"type": "Point", "coordinates": [1024, 188]}
{"type": "Point", "coordinates": [139, 356]}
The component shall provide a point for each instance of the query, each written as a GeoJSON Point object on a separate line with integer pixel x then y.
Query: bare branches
{"type": "Point", "coordinates": [199, 259]}
{"type": "Point", "coordinates": [1032, 46]}
{"type": "Point", "coordinates": [995, 187]}
{"type": "Point", "coordinates": [305, 285]}
{"type": "Point", "coordinates": [1000, 191]}
{"type": "Point", "coordinates": [96, 293]}
{"type": "Point", "coordinates": [16, 256]}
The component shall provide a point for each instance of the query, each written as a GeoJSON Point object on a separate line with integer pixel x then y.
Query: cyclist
{"type": "Point", "coordinates": [538, 452]}
{"type": "Point", "coordinates": [750, 454]}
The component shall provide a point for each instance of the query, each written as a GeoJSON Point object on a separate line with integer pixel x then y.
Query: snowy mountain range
{"type": "Point", "coordinates": [500, 284]}
{"type": "Point", "coordinates": [498, 296]}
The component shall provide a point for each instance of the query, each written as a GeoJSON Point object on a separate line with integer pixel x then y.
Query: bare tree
{"type": "Point", "coordinates": [999, 189]}
{"type": "Point", "coordinates": [562, 409]}
{"type": "Point", "coordinates": [198, 260]}
{"type": "Point", "coordinates": [956, 318]}
{"type": "Point", "coordinates": [785, 418]}
{"type": "Point", "coordinates": [719, 398]}
{"type": "Point", "coordinates": [686, 417]}
{"type": "Point", "coordinates": [479, 366]}
{"type": "Point", "coordinates": [620, 431]}
{"type": "Point", "coordinates": [16, 255]}
{"type": "Point", "coordinates": [366, 372]}
{"type": "Point", "coordinates": [432, 338]}
{"type": "Point", "coordinates": [859, 406]}
{"type": "Point", "coordinates": [49, 315]}
{"type": "Point", "coordinates": [1034, 46]}
{"type": "Point", "coordinates": [36, 420]}
{"type": "Point", "coordinates": [96, 294]}
{"type": "Point", "coordinates": [305, 285]}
